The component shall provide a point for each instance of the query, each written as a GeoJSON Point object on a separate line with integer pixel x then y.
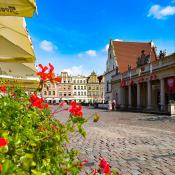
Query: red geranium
{"type": "Point", "coordinates": [3, 142]}
{"type": "Point", "coordinates": [47, 73]}
{"type": "Point", "coordinates": [43, 73]}
{"type": "Point", "coordinates": [37, 102]}
{"type": "Point", "coordinates": [76, 110]}
{"type": "Point", "coordinates": [104, 167]}
{"type": "Point", "coordinates": [0, 168]}
{"type": "Point", "coordinates": [3, 89]}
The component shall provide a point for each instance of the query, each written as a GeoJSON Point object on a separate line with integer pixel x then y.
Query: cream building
{"type": "Point", "coordinates": [147, 87]}
{"type": "Point", "coordinates": [120, 55]}
{"type": "Point", "coordinates": [80, 89]}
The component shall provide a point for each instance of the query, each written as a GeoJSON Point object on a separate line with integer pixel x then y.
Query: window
{"type": "Point", "coordinates": [80, 81]}
{"type": "Point", "coordinates": [85, 93]}
{"type": "Point", "coordinates": [75, 87]}
{"type": "Point", "coordinates": [53, 92]}
{"type": "Point", "coordinates": [45, 93]}
{"type": "Point", "coordinates": [65, 94]}
{"type": "Point", "coordinates": [78, 87]}
{"type": "Point", "coordinates": [64, 81]}
{"type": "Point", "coordinates": [69, 94]}
{"type": "Point", "coordinates": [97, 87]}
{"type": "Point", "coordinates": [75, 93]}
{"type": "Point", "coordinates": [60, 94]}
{"type": "Point", "coordinates": [74, 81]}
{"type": "Point", "coordinates": [49, 92]}
{"type": "Point", "coordinates": [89, 88]}
{"type": "Point", "coordinates": [81, 87]}
{"type": "Point", "coordinates": [69, 87]}
{"type": "Point", "coordinates": [84, 87]}
{"type": "Point", "coordinates": [107, 88]}
{"type": "Point", "coordinates": [78, 93]}
{"type": "Point", "coordinates": [84, 81]}
{"type": "Point", "coordinates": [81, 93]}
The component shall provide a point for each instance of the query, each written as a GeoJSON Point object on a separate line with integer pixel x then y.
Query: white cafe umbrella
{"type": "Point", "coordinates": [15, 43]}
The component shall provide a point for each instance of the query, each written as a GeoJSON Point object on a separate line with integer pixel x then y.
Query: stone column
{"type": "Point", "coordinates": [149, 89]}
{"type": "Point", "coordinates": [129, 97]}
{"type": "Point", "coordinates": [121, 97]}
{"type": "Point", "coordinates": [162, 94]}
{"type": "Point", "coordinates": [138, 95]}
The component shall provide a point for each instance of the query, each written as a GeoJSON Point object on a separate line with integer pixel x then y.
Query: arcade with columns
{"type": "Point", "coordinates": [149, 87]}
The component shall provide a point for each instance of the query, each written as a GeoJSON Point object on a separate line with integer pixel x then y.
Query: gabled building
{"type": "Point", "coordinates": [95, 87]}
{"type": "Point", "coordinates": [140, 80]}
{"type": "Point", "coordinates": [121, 55]}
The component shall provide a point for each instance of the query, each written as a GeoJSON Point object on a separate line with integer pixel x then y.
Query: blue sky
{"type": "Point", "coordinates": [73, 34]}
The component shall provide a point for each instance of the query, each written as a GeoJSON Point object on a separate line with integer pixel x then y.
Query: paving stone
{"type": "Point", "coordinates": [134, 143]}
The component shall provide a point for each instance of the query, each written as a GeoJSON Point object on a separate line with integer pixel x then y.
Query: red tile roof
{"type": "Point", "coordinates": [128, 52]}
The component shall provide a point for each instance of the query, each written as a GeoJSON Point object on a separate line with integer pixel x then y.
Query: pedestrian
{"type": "Point", "coordinates": [113, 105]}
{"type": "Point", "coordinates": [109, 105]}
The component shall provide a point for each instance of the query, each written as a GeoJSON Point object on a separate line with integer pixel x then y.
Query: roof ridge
{"type": "Point", "coordinates": [132, 42]}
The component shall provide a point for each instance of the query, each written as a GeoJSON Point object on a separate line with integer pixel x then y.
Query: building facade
{"type": "Point", "coordinates": [95, 87]}
{"type": "Point", "coordinates": [75, 88]}
{"type": "Point", "coordinates": [122, 54]}
{"type": "Point", "coordinates": [79, 84]}
{"type": "Point", "coordinates": [53, 93]}
{"type": "Point", "coordinates": [148, 87]}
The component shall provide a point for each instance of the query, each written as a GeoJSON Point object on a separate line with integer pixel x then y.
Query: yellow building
{"type": "Point", "coordinates": [95, 88]}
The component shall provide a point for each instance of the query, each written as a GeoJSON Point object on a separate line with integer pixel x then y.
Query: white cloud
{"type": "Point", "coordinates": [91, 53]}
{"type": "Point", "coordinates": [47, 46]}
{"type": "Point", "coordinates": [159, 12]}
{"type": "Point", "coordinates": [76, 70]}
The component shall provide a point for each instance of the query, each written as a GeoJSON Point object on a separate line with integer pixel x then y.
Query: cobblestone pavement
{"type": "Point", "coordinates": [133, 143]}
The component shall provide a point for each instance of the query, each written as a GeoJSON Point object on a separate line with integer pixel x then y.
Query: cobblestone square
{"type": "Point", "coordinates": [133, 143]}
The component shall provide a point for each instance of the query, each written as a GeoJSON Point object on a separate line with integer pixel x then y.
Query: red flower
{"type": "Point", "coordinates": [104, 167]}
{"type": "Point", "coordinates": [43, 73]}
{"type": "Point", "coordinates": [0, 168]}
{"type": "Point", "coordinates": [37, 102]}
{"type": "Point", "coordinates": [76, 110]}
{"type": "Point", "coordinates": [3, 89]}
{"type": "Point", "coordinates": [3, 142]}
{"type": "Point", "coordinates": [49, 75]}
